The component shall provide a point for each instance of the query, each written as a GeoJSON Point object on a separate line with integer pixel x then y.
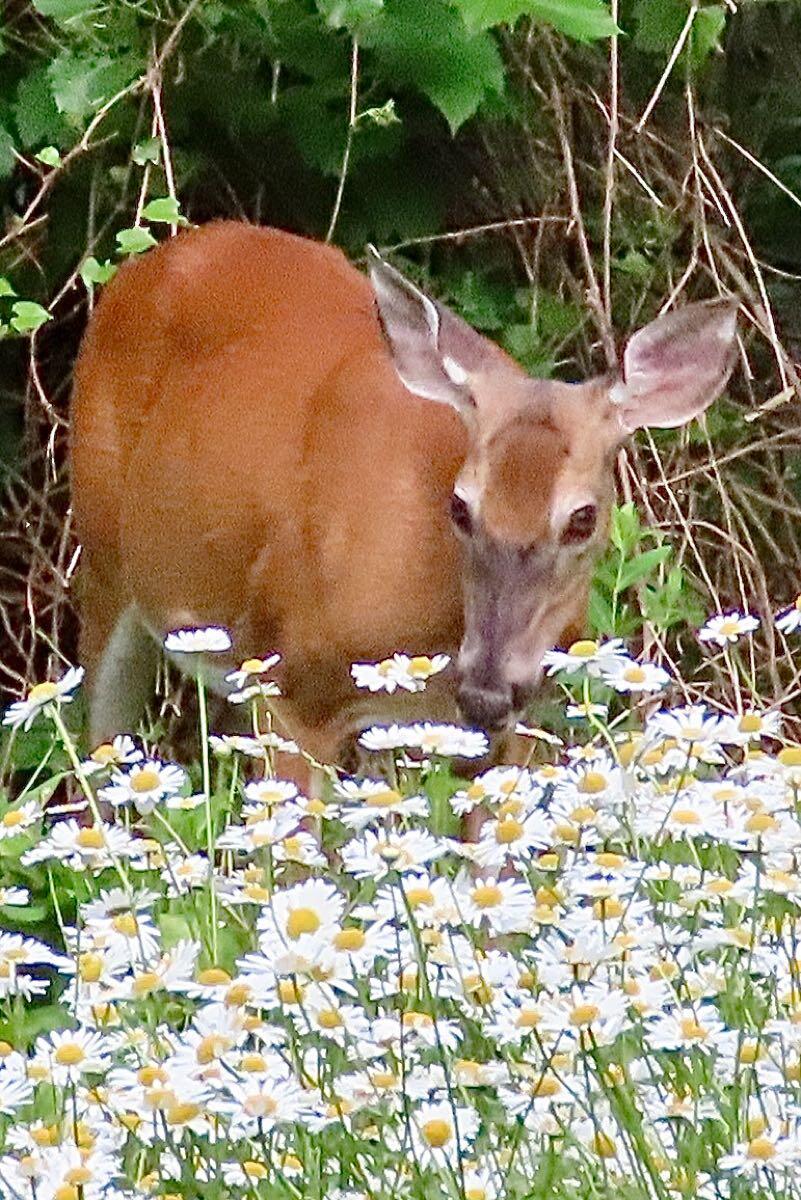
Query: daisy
{"type": "Point", "coordinates": [504, 904]}
{"type": "Point", "coordinates": [446, 740]}
{"type": "Point", "coordinates": [511, 837]}
{"type": "Point", "coordinates": [587, 655]}
{"type": "Point", "coordinates": [144, 786]}
{"type": "Point", "coordinates": [373, 800]}
{"type": "Point", "coordinates": [83, 847]}
{"type": "Point", "coordinates": [22, 713]}
{"type": "Point", "coordinates": [120, 752]}
{"type": "Point", "coordinates": [400, 671]}
{"type": "Point", "coordinates": [789, 619]}
{"type": "Point", "coordinates": [378, 853]}
{"type": "Point", "coordinates": [626, 675]}
{"type": "Point", "coordinates": [724, 629]}
{"type": "Point", "coordinates": [770, 1152]}
{"type": "Point", "coordinates": [251, 667]}
{"type": "Point", "coordinates": [256, 1105]}
{"type": "Point", "coordinates": [304, 911]}
{"type": "Point", "coordinates": [687, 1029]}
{"type": "Point", "coordinates": [70, 1054]}
{"type": "Point", "coordinates": [20, 817]}
{"type": "Point", "coordinates": [442, 1132]}
{"type": "Point", "coordinates": [208, 640]}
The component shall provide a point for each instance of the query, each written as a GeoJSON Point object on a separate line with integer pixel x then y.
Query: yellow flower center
{"type": "Point", "coordinates": [253, 1062]}
{"type": "Point", "coordinates": [384, 799]}
{"type": "Point", "coordinates": [300, 921]}
{"type": "Point", "coordinates": [69, 1054]}
{"type": "Point", "coordinates": [761, 822]}
{"type": "Point", "coordinates": [420, 666]}
{"type": "Point", "coordinates": [592, 783]}
{"type": "Point", "coordinates": [750, 723]}
{"type": "Point", "coordinates": [329, 1018]}
{"type": "Point", "coordinates": [260, 1106]}
{"type": "Point", "coordinates": [238, 993]}
{"type": "Point", "coordinates": [67, 1191]}
{"type": "Point", "coordinates": [583, 649]}
{"type": "Point", "coordinates": [691, 1030]}
{"type": "Point", "coordinates": [145, 983]}
{"type": "Point", "coordinates": [528, 1018]}
{"type": "Point", "coordinates": [584, 1014]}
{"type": "Point", "coordinates": [383, 1079]}
{"type": "Point", "coordinates": [213, 975]}
{"type": "Point", "coordinates": [42, 692]}
{"type": "Point", "coordinates": [79, 1176]}
{"type": "Point", "coordinates": [254, 1170]}
{"type": "Point", "coordinates": [349, 939]}
{"type": "Point", "coordinates": [144, 781]}
{"type": "Point", "coordinates": [90, 839]}
{"type": "Point", "coordinates": [290, 992]}
{"type": "Point", "coordinates": [790, 756]}
{"type": "Point", "coordinates": [419, 895]}
{"type": "Point", "coordinates": [507, 831]}
{"type": "Point", "coordinates": [90, 967]}
{"type": "Point", "coordinates": [126, 924]}
{"type": "Point", "coordinates": [13, 818]}
{"type": "Point", "coordinates": [252, 666]}
{"type": "Point", "coordinates": [181, 1113]}
{"type": "Point", "coordinates": [686, 816]}
{"type": "Point", "coordinates": [104, 754]}
{"type": "Point", "coordinates": [437, 1133]}
{"type": "Point", "coordinates": [730, 628]}
{"type": "Point", "coordinates": [608, 908]}
{"type": "Point", "coordinates": [634, 675]}
{"type": "Point", "coordinates": [603, 1145]}
{"type": "Point", "coordinates": [487, 895]}
{"type": "Point", "coordinates": [761, 1148]}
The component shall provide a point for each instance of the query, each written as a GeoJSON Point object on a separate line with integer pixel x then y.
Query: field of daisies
{"type": "Point", "coordinates": [213, 985]}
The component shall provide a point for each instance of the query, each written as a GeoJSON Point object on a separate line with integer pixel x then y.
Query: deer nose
{"type": "Point", "coordinates": [487, 708]}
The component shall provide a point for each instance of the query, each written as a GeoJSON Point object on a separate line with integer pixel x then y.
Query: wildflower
{"type": "Point", "coordinates": [504, 904]}
{"type": "Point", "coordinates": [588, 656]}
{"type": "Point", "coordinates": [687, 1029]}
{"type": "Point", "coordinates": [22, 713]}
{"type": "Point", "coordinates": [585, 711]}
{"type": "Point", "coordinates": [71, 1054]}
{"type": "Point", "coordinates": [789, 619]}
{"type": "Point", "coordinates": [447, 740]}
{"type": "Point", "coordinates": [305, 911]}
{"type": "Point", "coordinates": [378, 853]}
{"type": "Point", "coordinates": [208, 640]}
{"type": "Point", "coordinates": [626, 675]}
{"type": "Point", "coordinates": [120, 752]}
{"type": "Point", "coordinates": [144, 786]}
{"type": "Point", "coordinates": [19, 818]}
{"type": "Point", "coordinates": [724, 629]}
{"type": "Point", "coordinates": [442, 1132]}
{"type": "Point", "coordinates": [82, 847]}
{"type": "Point", "coordinates": [251, 667]}
{"type": "Point", "coordinates": [768, 1152]}
{"type": "Point", "coordinates": [400, 671]}
{"type": "Point", "coordinates": [373, 800]}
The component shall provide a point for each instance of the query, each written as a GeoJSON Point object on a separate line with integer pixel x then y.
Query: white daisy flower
{"type": "Point", "coordinates": [251, 667]}
{"type": "Point", "coordinates": [442, 1133]}
{"type": "Point", "coordinates": [626, 675]}
{"type": "Point", "coordinates": [20, 817]}
{"type": "Point", "coordinates": [144, 785]}
{"type": "Point", "coordinates": [22, 713]}
{"type": "Point", "coordinates": [378, 853]}
{"type": "Point", "coordinates": [400, 671]}
{"type": "Point", "coordinates": [120, 752]}
{"type": "Point", "coordinates": [725, 629]}
{"type": "Point", "coordinates": [83, 847]}
{"type": "Point", "coordinates": [208, 640]}
{"type": "Point", "coordinates": [789, 619]}
{"type": "Point", "coordinates": [586, 655]}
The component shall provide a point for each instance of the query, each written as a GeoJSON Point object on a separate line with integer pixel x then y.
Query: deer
{"type": "Point", "coordinates": [334, 466]}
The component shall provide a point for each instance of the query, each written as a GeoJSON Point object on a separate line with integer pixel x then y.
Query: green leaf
{"type": "Point", "coordinates": [35, 113]}
{"type": "Point", "coordinates": [50, 156]}
{"type": "Point", "coordinates": [64, 10]}
{"type": "Point", "coordinates": [708, 27]}
{"type": "Point", "coordinates": [425, 43]}
{"type": "Point", "coordinates": [625, 533]}
{"type": "Point", "coordinates": [5, 287]}
{"type": "Point", "coordinates": [166, 208]}
{"type": "Point", "coordinates": [28, 316]}
{"type": "Point", "coordinates": [643, 565]}
{"type": "Point", "coordinates": [148, 151]}
{"type": "Point", "coordinates": [7, 159]}
{"type": "Point", "coordinates": [92, 272]}
{"type": "Point", "coordinates": [348, 14]}
{"type": "Point", "coordinates": [134, 240]}
{"type": "Point", "coordinates": [584, 20]}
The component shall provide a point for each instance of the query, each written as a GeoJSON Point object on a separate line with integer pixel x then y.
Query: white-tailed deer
{"type": "Point", "coordinates": [259, 444]}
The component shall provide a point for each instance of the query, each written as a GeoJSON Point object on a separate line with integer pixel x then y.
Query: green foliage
{"type": "Point", "coordinates": [635, 581]}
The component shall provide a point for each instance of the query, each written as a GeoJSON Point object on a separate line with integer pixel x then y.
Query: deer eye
{"type": "Point", "coordinates": [581, 525]}
{"type": "Point", "coordinates": [460, 514]}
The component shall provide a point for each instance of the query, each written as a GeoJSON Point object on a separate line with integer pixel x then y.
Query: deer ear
{"type": "Point", "coordinates": [675, 367]}
{"type": "Point", "coordinates": [434, 351]}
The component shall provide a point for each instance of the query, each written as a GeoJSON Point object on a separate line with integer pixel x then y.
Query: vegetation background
{"type": "Point", "coordinates": [557, 170]}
